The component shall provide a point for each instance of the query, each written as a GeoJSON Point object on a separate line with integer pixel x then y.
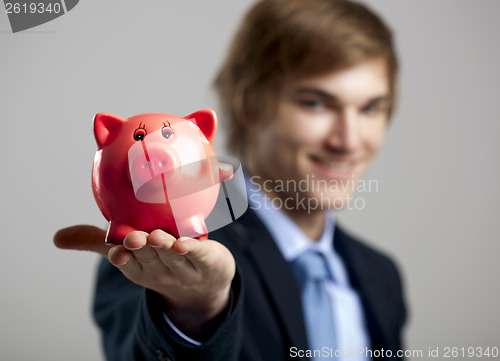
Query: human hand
{"type": "Point", "coordinates": [192, 276]}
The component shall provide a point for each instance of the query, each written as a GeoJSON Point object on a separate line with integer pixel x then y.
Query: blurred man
{"type": "Point", "coordinates": [308, 88]}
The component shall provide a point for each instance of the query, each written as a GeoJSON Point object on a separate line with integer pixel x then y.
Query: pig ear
{"type": "Point", "coordinates": [106, 127]}
{"type": "Point", "coordinates": [206, 120]}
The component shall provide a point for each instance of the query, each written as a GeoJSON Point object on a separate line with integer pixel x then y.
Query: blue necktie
{"type": "Point", "coordinates": [312, 273]}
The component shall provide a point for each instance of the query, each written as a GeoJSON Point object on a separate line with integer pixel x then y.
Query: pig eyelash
{"type": "Point", "coordinates": [167, 132]}
{"type": "Point", "coordinates": [140, 132]}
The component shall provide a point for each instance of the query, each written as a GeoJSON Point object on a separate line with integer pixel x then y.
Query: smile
{"type": "Point", "coordinates": [334, 168]}
{"type": "Point", "coordinates": [331, 163]}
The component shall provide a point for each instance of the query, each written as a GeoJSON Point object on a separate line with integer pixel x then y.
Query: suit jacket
{"type": "Point", "coordinates": [266, 319]}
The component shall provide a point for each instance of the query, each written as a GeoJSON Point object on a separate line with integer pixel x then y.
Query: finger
{"type": "Point", "coordinates": [160, 239]}
{"type": "Point", "coordinates": [119, 256]}
{"type": "Point", "coordinates": [162, 243]}
{"type": "Point", "coordinates": [135, 240]}
{"type": "Point", "coordinates": [82, 237]}
{"type": "Point", "coordinates": [198, 252]}
{"type": "Point", "coordinates": [124, 260]}
{"type": "Point", "coordinates": [137, 243]}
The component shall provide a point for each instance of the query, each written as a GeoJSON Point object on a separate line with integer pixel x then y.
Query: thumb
{"type": "Point", "coordinates": [83, 238]}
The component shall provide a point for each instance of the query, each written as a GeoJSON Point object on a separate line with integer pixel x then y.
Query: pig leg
{"type": "Point", "coordinates": [117, 232]}
{"type": "Point", "coordinates": [192, 227]}
{"type": "Point", "coordinates": [225, 172]}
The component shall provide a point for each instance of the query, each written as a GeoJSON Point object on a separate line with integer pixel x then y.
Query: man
{"type": "Point", "coordinates": [308, 88]}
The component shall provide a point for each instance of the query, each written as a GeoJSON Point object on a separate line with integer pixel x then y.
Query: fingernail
{"type": "Point", "coordinates": [181, 254]}
{"type": "Point", "coordinates": [157, 247]}
{"type": "Point", "coordinates": [118, 264]}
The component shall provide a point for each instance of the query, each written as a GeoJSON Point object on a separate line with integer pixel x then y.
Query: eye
{"type": "Point", "coordinates": [167, 132]}
{"type": "Point", "coordinates": [313, 104]}
{"type": "Point", "coordinates": [372, 109]}
{"type": "Point", "coordinates": [140, 134]}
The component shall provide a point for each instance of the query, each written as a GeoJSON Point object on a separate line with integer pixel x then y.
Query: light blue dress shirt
{"type": "Point", "coordinates": [347, 309]}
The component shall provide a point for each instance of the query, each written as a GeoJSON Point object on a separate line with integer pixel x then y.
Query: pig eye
{"type": "Point", "coordinates": [140, 133]}
{"type": "Point", "coordinates": [167, 131]}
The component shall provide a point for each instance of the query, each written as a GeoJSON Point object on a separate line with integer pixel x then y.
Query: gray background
{"type": "Point", "coordinates": [436, 209]}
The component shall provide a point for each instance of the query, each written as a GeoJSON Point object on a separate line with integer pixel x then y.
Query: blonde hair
{"type": "Point", "coordinates": [282, 38]}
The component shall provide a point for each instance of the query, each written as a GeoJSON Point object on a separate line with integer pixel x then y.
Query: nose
{"type": "Point", "coordinates": [344, 135]}
{"type": "Point", "coordinates": [159, 162]}
{"type": "Point", "coordinates": [152, 162]}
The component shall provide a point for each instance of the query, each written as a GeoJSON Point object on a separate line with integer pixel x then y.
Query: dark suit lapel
{"type": "Point", "coordinates": [277, 277]}
{"type": "Point", "coordinates": [365, 281]}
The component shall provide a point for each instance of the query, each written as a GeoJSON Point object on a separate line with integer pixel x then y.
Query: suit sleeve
{"type": "Point", "coordinates": [399, 306]}
{"type": "Point", "coordinates": [132, 326]}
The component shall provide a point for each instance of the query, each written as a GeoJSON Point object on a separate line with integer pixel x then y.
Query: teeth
{"type": "Point", "coordinates": [330, 164]}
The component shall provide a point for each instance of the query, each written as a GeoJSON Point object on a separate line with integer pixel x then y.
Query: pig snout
{"type": "Point", "coordinates": [150, 163]}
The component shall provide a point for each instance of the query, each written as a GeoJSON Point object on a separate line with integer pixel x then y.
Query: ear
{"type": "Point", "coordinates": [206, 120]}
{"type": "Point", "coordinates": [106, 127]}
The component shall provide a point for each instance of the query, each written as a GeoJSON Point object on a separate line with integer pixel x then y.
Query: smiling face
{"type": "Point", "coordinates": [326, 130]}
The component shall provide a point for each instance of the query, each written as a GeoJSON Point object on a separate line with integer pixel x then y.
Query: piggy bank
{"type": "Point", "coordinates": [157, 171]}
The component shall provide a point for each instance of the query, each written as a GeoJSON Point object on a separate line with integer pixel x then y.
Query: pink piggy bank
{"type": "Point", "coordinates": [157, 171]}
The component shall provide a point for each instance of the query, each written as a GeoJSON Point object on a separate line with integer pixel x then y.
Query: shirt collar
{"type": "Point", "coordinates": [289, 238]}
